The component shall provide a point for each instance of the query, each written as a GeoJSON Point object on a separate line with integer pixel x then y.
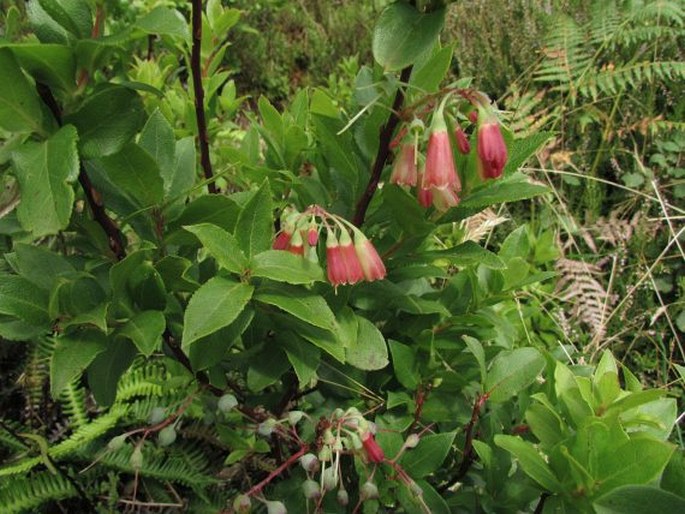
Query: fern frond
{"type": "Point", "coordinates": [8, 428]}
{"type": "Point", "coordinates": [80, 438]}
{"type": "Point", "coordinates": [566, 54]}
{"type": "Point", "coordinates": [73, 402]}
{"type": "Point", "coordinates": [612, 80]}
{"type": "Point", "coordinates": [27, 493]}
{"type": "Point", "coordinates": [663, 12]}
{"type": "Point", "coordinates": [187, 467]}
{"type": "Point", "coordinates": [36, 375]}
{"type": "Point", "coordinates": [145, 380]}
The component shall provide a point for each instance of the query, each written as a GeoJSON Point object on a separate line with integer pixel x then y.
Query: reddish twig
{"type": "Point", "coordinates": [467, 456]}
{"type": "Point", "coordinates": [280, 469]}
{"type": "Point", "coordinates": [196, 71]}
{"type": "Point", "coordinates": [383, 150]}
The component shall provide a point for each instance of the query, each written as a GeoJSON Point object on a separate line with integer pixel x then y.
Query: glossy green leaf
{"type": "Point", "coordinates": [50, 64]}
{"type": "Point", "coordinates": [45, 172]}
{"type": "Point", "coordinates": [73, 15]}
{"type": "Point", "coordinates": [215, 305]}
{"type": "Point", "coordinates": [40, 265]}
{"type": "Point", "coordinates": [429, 455]}
{"type": "Point", "coordinates": [20, 109]}
{"type": "Point", "coordinates": [304, 358]}
{"type": "Point", "coordinates": [157, 139]}
{"type": "Point", "coordinates": [165, 22]}
{"type": "Point", "coordinates": [284, 266]}
{"type": "Point", "coordinates": [179, 180]}
{"type": "Point", "coordinates": [305, 305]}
{"type": "Point", "coordinates": [530, 460]}
{"type": "Point", "coordinates": [404, 364]}
{"type": "Point", "coordinates": [210, 350]}
{"type": "Point", "coordinates": [254, 228]}
{"type": "Point", "coordinates": [107, 120]}
{"type": "Point", "coordinates": [108, 367]}
{"type": "Point", "coordinates": [511, 371]}
{"type": "Point", "coordinates": [402, 34]}
{"type": "Point", "coordinates": [145, 330]}
{"type": "Point", "coordinates": [24, 300]}
{"type": "Point", "coordinates": [72, 355]}
{"type": "Point", "coordinates": [369, 350]}
{"type": "Point", "coordinates": [429, 76]}
{"type": "Point", "coordinates": [466, 254]}
{"type": "Point", "coordinates": [639, 499]}
{"type": "Point", "coordinates": [221, 245]}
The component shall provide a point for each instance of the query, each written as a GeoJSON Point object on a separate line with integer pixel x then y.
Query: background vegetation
{"type": "Point", "coordinates": [579, 288]}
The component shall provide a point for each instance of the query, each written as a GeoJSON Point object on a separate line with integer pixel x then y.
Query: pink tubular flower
{"type": "Point", "coordinates": [445, 198]}
{"type": "Point", "coordinates": [296, 244]}
{"type": "Point", "coordinates": [336, 271]}
{"type": "Point", "coordinates": [282, 240]}
{"type": "Point", "coordinates": [404, 170]}
{"type": "Point", "coordinates": [371, 263]}
{"type": "Point", "coordinates": [425, 196]}
{"type": "Point", "coordinates": [373, 451]}
{"type": "Point", "coordinates": [353, 266]}
{"type": "Point", "coordinates": [439, 171]}
{"type": "Point", "coordinates": [492, 151]}
{"type": "Point", "coordinates": [473, 116]}
{"type": "Point", "coordinates": [462, 141]}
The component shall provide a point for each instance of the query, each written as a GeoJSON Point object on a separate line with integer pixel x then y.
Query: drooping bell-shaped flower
{"type": "Point", "coordinates": [445, 198]}
{"type": "Point", "coordinates": [335, 265]}
{"type": "Point", "coordinates": [374, 453]}
{"type": "Point", "coordinates": [463, 144]}
{"type": "Point", "coordinates": [404, 170]}
{"type": "Point", "coordinates": [439, 170]}
{"type": "Point", "coordinates": [282, 240]}
{"type": "Point", "coordinates": [425, 196]}
{"type": "Point", "coordinates": [371, 263]}
{"type": "Point", "coordinates": [352, 262]}
{"type": "Point", "coordinates": [492, 151]}
{"type": "Point", "coordinates": [296, 245]}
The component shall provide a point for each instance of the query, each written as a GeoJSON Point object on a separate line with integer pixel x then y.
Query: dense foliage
{"type": "Point", "coordinates": [216, 301]}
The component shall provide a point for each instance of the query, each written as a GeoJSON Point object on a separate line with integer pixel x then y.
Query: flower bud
{"type": "Point", "coordinates": [242, 504]}
{"type": "Point", "coordinates": [330, 480]}
{"type": "Point", "coordinates": [273, 507]}
{"type": "Point", "coordinates": [117, 442]}
{"type": "Point", "coordinates": [296, 245]}
{"type": "Point", "coordinates": [492, 151]}
{"type": "Point", "coordinates": [368, 491]}
{"type": "Point", "coordinates": [411, 441]}
{"type": "Point", "coordinates": [157, 415]}
{"type": "Point", "coordinates": [227, 402]}
{"type": "Point", "coordinates": [294, 417]}
{"type": "Point", "coordinates": [325, 454]}
{"type": "Point", "coordinates": [463, 144]}
{"type": "Point", "coordinates": [371, 263]}
{"type": "Point", "coordinates": [473, 116]}
{"type": "Point", "coordinates": [309, 463]}
{"type": "Point", "coordinates": [342, 497]}
{"type": "Point", "coordinates": [311, 489]}
{"type": "Point", "coordinates": [266, 427]}
{"type": "Point", "coordinates": [373, 451]}
{"type": "Point", "coordinates": [136, 459]}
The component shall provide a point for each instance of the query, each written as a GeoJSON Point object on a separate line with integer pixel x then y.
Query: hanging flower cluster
{"type": "Point", "coordinates": [437, 180]}
{"type": "Point", "coordinates": [350, 256]}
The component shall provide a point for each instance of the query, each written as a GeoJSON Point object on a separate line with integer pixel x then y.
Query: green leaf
{"type": "Point", "coordinates": [50, 64]}
{"type": "Point", "coordinates": [136, 175]}
{"type": "Point", "coordinates": [157, 139]}
{"type": "Point", "coordinates": [402, 34]}
{"type": "Point", "coordinates": [215, 305]}
{"type": "Point", "coordinates": [165, 22]}
{"type": "Point", "coordinates": [284, 266]}
{"type": "Point", "coordinates": [476, 348]}
{"type": "Point", "coordinates": [20, 108]}
{"type": "Point", "coordinates": [24, 300]}
{"type": "Point", "coordinates": [221, 245]}
{"type": "Point", "coordinates": [145, 329]}
{"type": "Point", "coordinates": [530, 460]}
{"type": "Point", "coordinates": [107, 368]}
{"type": "Point", "coordinates": [210, 350]}
{"type": "Point", "coordinates": [428, 455]}
{"type": "Point", "coordinates": [466, 254]}
{"type": "Point", "coordinates": [73, 15]}
{"type": "Point", "coordinates": [511, 371]}
{"type": "Point", "coordinates": [304, 358]}
{"type": "Point", "coordinates": [428, 77]}
{"type": "Point", "coordinates": [369, 350]}
{"type": "Point", "coordinates": [305, 305]}
{"type": "Point", "coordinates": [638, 499]}
{"type": "Point", "coordinates": [107, 120]}
{"type": "Point", "coordinates": [73, 354]}
{"type": "Point", "coordinates": [180, 178]}
{"type": "Point", "coordinates": [404, 364]}
{"type": "Point", "coordinates": [40, 265]}
{"type": "Point", "coordinates": [254, 228]}
{"type": "Point", "coordinates": [45, 172]}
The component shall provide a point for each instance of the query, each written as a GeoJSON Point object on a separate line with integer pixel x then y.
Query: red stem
{"type": "Point", "coordinates": [280, 469]}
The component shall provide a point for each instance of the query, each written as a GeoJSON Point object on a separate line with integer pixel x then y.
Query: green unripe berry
{"type": "Point", "coordinates": [266, 427]}
{"type": "Point", "coordinates": [226, 403]}
{"type": "Point", "coordinates": [411, 441]}
{"type": "Point", "coordinates": [273, 507]}
{"type": "Point", "coordinates": [330, 480]}
{"type": "Point", "coordinates": [311, 490]}
{"type": "Point", "coordinates": [342, 497]}
{"type": "Point", "coordinates": [167, 436]}
{"type": "Point", "coordinates": [117, 442]}
{"type": "Point", "coordinates": [157, 415]}
{"type": "Point", "coordinates": [294, 417]}
{"type": "Point", "coordinates": [136, 459]}
{"type": "Point", "coordinates": [309, 463]}
{"type": "Point", "coordinates": [368, 491]}
{"type": "Point", "coordinates": [242, 504]}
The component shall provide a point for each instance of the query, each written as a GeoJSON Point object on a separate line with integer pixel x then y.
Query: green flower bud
{"type": "Point", "coordinates": [311, 490]}
{"type": "Point", "coordinates": [136, 459]}
{"type": "Point", "coordinates": [275, 508]}
{"type": "Point", "coordinates": [266, 427]}
{"type": "Point", "coordinates": [117, 442]}
{"type": "Point", "coordinates": [226, 403]}
{"type": "Point", "coordinates": [411, 441]}
{"type": "Point", "coordinates": [368, 491]}
{"type": "Point", "coordinates": [342, 497]}
{"type": "Point", "coordinates": [330, 480]}
{"type": "Point", "coordinates": [309, 463]}
{"type": "Point", "coordinates": [157, 415]}
{"type": "Point", "coordinates": [294, 417]}
{"type": "Point", "coordinates": [167, 436]}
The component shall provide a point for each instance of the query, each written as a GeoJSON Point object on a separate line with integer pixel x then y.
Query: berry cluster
{"type": "Point", "coordinates": [350, 256]}
{"type": "Point", "coordinates": [438, 181]}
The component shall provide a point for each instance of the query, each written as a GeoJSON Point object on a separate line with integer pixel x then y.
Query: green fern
{"type": "Point", "coordinates": [73, 402]}
{"type": "Point", "coordinates": [613, 80]}
{"type": "Point", "coordinates": [25, 494]}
